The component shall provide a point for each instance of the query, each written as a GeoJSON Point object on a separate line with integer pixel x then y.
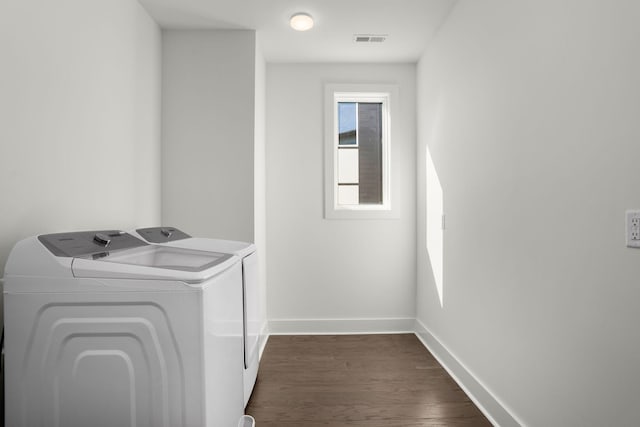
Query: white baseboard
{"type": "Point", "coordinates": [477, 392]}
{"type": "Point", "coordinates": [263, 338]}
{"type": "Point", "coordinates": [340, 326]}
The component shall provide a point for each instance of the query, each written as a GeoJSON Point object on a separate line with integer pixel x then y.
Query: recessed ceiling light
{"type": "Point", "coordinates": [301, 22]}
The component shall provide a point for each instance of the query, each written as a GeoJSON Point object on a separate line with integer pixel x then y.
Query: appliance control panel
{"type": "Point", "coordinates": [85, 243]}
{"type": "Point", "coordinates": [162, 234]}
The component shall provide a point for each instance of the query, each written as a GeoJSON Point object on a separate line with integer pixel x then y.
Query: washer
{"type": "Point", "coordinates": [104, 329]}
{"type": "Point", "coordinates": [171, 236]}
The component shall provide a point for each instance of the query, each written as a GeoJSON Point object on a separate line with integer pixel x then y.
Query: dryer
{"type": "Point", "coordinates": [171, 236]}
{"type": "Point", "coordinates": [104, 329]}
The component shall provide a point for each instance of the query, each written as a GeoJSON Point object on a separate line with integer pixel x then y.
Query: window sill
{"type": "Point", "coordinates": [361, 212]}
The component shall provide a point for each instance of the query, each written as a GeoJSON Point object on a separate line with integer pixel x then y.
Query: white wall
{"type": "Point", "coordinates": [322, 270]}
{"type": "Point", "coordinates": [260, 179]}
{"type": "Point", "coordinates": [530, 112]}
{"type": "Point", "coordinates": [208, 126]}
{"type": "Point", "coordinates": [80, 108]}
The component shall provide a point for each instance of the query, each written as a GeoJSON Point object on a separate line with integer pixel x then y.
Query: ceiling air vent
{"type": "Point", "coordinates": [369, 38]}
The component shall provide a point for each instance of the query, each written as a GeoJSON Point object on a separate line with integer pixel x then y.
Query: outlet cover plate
{"type": "Point", "coordinates": [632, 227]}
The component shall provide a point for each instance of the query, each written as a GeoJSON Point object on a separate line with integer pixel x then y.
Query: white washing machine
{"type": "Point", "coordinates": [103, 329]}
{"type": "Point", "coordinates": [171, 236]}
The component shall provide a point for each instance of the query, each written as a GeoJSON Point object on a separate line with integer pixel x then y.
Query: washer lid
{"type": "Point", "coordinates": [153, 262]}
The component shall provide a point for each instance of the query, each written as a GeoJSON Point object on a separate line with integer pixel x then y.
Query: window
{"type": "Point", "coordinates": [357, 152]}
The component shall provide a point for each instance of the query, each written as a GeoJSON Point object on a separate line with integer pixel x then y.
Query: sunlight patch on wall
{"type": "Point", "coordinates": [435, 232]}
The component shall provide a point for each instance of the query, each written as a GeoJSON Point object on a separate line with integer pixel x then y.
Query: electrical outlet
{"type": "Point", "coordinates": [632, 227]}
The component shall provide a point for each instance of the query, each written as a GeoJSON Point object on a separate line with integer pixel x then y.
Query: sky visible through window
{"type": "Point", "coordinates": [346, 116]}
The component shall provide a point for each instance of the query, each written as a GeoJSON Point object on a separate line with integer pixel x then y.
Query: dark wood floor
{"type": "Point", "coordinates": [356, 380]}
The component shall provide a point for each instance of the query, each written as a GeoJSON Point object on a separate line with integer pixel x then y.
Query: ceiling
{"type": "Point", "coordinates": [408, 24]}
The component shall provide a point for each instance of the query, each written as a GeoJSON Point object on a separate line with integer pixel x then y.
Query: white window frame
{"type": "Point", "coordinates": [378, 93]}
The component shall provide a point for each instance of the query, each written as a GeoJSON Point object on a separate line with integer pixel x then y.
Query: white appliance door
{"type": "Point", "coordinates": [251, 306]}
{"type": "Point", "coordinates": [251, 322]}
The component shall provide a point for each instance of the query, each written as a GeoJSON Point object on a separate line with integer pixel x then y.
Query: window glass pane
{"type": "Point", "coordinates": [370, 148]}
{"type": "Point", "coordinates": [347, 123]}
{"type": "Point", "coordinates": [347, 194]}
{"type": "Point", "coordinates": [347, 165]}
